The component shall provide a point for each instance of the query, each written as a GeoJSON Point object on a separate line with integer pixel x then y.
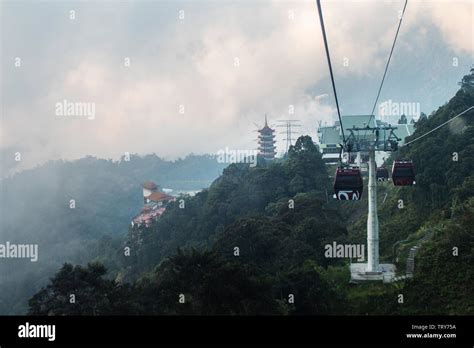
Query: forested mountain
{"type": "Point", "coordinates": [437, 216]}
{"type": "Point", "coordinates": [277, 216]}
{"type": "Point", "coordinates": [36, 209]}
{"type": "Point", "coordinates": [441, 208]}
{"type": "Point", "coordinates": [241, 191]}
{"type": "Point", "coordinates": [253, 243]}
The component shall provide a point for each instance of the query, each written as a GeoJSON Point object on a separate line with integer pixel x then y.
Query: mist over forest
{"type": "Point", "coordinates": [35, 209]}
{"type": "Point", "coordinates": [166, 80]}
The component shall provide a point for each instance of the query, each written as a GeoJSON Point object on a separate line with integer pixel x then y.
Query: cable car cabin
{"type": "Point", "coordinates": [382, 174]}
{"type": "Point", "coordinates": [403, 173]}
{"type": "Point", "coordinates": [348, 185]}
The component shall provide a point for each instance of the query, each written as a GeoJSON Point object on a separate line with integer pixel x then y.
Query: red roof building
{"type": "Point", "coordinates": [159, 196]}
{"type": "Point", "coordinates": [155, 202]}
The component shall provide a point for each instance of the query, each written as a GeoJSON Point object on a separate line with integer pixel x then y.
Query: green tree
{"type": "Point", "coordinates": [200, 283]}
{"type": "Point", "coordinates": [81, 291]}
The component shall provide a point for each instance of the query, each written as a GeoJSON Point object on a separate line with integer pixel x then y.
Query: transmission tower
{"type": "Point", "coordinates": [289, 131]}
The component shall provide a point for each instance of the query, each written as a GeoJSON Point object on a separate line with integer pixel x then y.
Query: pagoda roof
{"type": "Point", "coordinates": [266, 128]}
{"type": "Point", "coordinates": [267, 150]}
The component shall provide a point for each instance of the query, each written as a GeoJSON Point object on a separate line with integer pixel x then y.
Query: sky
{"type": "Point", "coordinates": [180, 77]}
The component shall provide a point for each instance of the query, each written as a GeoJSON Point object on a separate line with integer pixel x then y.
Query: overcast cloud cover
{"type": "Point", "coordinates": [192, 62]}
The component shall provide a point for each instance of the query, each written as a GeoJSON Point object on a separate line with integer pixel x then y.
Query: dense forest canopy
{"type": "Point", "coordinates": [253, 243]}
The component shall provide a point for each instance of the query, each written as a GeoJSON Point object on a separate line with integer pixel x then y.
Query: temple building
{"type": "Point", "coordinates": [266, 142]}
{"type": "Point", "coordinates": [148, 188]}
{"type": "Point", "coordinates": [158, 198]}
{"type": "Point", "coordinates": [155, 202]}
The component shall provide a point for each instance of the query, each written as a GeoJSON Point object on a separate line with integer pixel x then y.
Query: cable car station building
{"type": "Point", "coordinates": [330, 138]}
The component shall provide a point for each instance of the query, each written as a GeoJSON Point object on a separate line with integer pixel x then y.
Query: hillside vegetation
{"type": "Point", "coordinates": [253, 243]}
{"type": "Point", "coordinates": [35, 209]}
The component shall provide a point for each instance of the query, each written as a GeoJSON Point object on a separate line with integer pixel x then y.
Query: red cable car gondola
{"type": "Point", "coordinates": [382, 174]}
{"type": "Point", "coordinates": [348, 185]}
{"type": "Point", "coordinates": [403, 173]}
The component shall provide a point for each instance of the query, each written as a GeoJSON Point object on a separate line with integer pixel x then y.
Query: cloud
{"type": "Point", "coordinates": [226, 64]}
{"type": "Point", "coordinates": [454, 20]}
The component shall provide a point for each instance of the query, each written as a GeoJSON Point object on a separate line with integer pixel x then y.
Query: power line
{"type": "Point", "coordinates": [330, 66]}
{"type": "Point", "coordinates": [388, 62]}
{"type": "Point", "coordinates": [441, 125]}
{"type": "Point", "coordinates": [289, 124]}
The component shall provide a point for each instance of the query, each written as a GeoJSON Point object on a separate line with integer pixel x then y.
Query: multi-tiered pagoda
{"type": "Point", "coordinates": [266, 142]}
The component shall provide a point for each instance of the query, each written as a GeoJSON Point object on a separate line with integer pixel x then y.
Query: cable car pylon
{"type": "Point", "coordinates": [371, 140]}
{"type": "Point", "coordinates": [372, 219]}
{"type": "Point", "coordinates": [348, 183]}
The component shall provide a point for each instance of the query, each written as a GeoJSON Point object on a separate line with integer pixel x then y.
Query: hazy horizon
{"type": "Point", "coordinates": [175, 78]}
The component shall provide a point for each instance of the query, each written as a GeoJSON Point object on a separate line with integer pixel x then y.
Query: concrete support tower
{"type": "Point", "coordinates": [372, 270]}
{"type": "Point", "coordinates": [372, 219]}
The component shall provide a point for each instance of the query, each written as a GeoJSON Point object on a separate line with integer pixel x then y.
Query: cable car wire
{"type": "Point", "coordinates": [330, 66]}
{"type": "Point", "coordinates": [388, 63]}
{"type": "Point", "coordinates": [441, 125]}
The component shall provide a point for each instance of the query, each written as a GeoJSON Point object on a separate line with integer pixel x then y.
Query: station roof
{"type": "Point", "coordinates": [329, 135]}
{"type": "Point", "coordinates": [333, 135]}
{"type": "Point", "coordinates": [359, 121]}
{"type": "Point", "coordinates": [403, 131]}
